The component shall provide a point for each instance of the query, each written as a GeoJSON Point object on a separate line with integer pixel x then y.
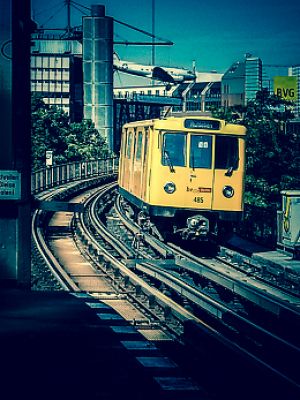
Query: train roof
{"type": "Point", "coordinates": [191, 123]}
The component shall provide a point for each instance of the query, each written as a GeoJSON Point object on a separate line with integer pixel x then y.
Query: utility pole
{"type": "Point", "coordinates": [153, 35]}
{"type": "Point", "coordinates": [153, 32]}
{"type": "Point", "coordinates": [68, 4]}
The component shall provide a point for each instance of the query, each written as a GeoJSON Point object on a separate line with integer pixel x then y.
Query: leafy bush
{"type": "Point", "coordinates": [52, 130]}
{"type": "Point", "coordinates": [272, 160]}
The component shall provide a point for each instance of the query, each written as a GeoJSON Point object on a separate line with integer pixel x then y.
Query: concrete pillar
{"type": "Point", "coordinates": [98, 71]}
{"type": "Point", "coordinates": [15, 213]}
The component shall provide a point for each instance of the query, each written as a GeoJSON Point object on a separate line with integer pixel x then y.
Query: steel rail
{"type": "Point", "coordinates": [122, 248]}
{"type": "Point", "coordinates": [47, 191]}
{"type": "Point", "coordinates": [38, 239]}
{"type": "Point", "coordinates": [162, 300]}
{"type": "Point", "coordinates": [273, 300]}
{"type": "Point", "coordinates": [219, 272]}
{"type": "Point", "coordinates": [259, 336]}
{"type": "Point", "coordinates": [155, 243]}
{"type": "Point", "coordinates": [285, 351]}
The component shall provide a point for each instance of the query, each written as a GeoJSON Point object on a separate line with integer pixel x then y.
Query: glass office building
{"type": "Point", "coordinates": [241, 81]}
{"type": "Point", "coordinates": [253, 77]}
{"type": "Point", "coordinates": [295, 71]}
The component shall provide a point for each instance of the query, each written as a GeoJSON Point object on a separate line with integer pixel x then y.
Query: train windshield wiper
{"type": "Point", "coordinates": [168, 158]}
{"type": "Point", "coordinates": [234, 165]}
{"type": "Point", "coordinates": [229, 171]}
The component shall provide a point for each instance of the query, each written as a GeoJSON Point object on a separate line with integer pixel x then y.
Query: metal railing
{"type": "Point", "coordinates": [50, 177]}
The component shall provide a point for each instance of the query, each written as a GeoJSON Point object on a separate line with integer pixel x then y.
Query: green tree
{"type": "Point", "coordinates": [84, 142]}
{"type": "Point", "coordinates": [51, 130]}
{"type": "Point", "coordinates": [272, 161]}
{"type": "Point", "coordinates": [271, 151]}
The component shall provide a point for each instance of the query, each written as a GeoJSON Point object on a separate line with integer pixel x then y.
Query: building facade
{"type": "Point", "coordinates": [201, 95]}
{"type": "Point", "coordinates": [56, 73]}
{"type": "Point", "coordinates": [295, 71]}
{"type": "Point", "coordinates": [241, 82]}
{"type": "Point", "coordinates": [253, 77]}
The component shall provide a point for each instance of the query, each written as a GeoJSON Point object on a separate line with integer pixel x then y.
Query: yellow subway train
{"type": "Point", "coordinates": [187, 173]}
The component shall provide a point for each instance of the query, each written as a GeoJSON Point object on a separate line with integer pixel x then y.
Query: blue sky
{"type": "Point", "coordinates": [213, 33]}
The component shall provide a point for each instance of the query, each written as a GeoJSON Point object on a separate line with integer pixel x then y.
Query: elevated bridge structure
{"type": "Point", "coordinates": [135, 107]}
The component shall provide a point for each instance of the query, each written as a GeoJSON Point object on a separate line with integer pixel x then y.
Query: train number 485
{"type": "Point", "coordinates": [198, 199]}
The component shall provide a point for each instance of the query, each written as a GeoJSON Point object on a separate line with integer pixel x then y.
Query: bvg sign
{"type": "Point", "coordinates": [285, 87]}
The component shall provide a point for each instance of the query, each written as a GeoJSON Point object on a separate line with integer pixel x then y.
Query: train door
{"type": "Point", "coordinates": [122, 166]}
{"type": "Point", "coordinates": [129, 160]}
{"type": "Point", "coordinates": [145, 159]}
{"type": "Point", "coordinates": [137, 163]}
{"type": "Point", "coordinates": [132, 162]}
{"type": "Point", "coordinates": [199, 185]}
{"type": "Point", "coordinates": [229, 173]}
{"type": "Point", "coordinates": [167, 167]}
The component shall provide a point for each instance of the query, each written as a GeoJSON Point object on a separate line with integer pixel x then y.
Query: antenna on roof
{"type": "Point", "coordinates": [194, 67]}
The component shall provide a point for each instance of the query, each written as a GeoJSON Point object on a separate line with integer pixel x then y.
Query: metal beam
{"type": "Point", "coordinates": [59, 206]}
{"type": "Point", "coordinates": [144, 43]}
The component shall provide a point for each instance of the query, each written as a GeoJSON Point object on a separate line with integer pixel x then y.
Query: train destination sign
{"type": "Point", "coordinates": [10, 185]}
{"type": "Point", "coordinates": [202, 124]}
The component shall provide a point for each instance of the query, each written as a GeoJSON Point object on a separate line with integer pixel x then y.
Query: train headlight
{"type": "Point", "coordinates": [228, 191]}
{"type": "Point", "coordinates": [170, 187]}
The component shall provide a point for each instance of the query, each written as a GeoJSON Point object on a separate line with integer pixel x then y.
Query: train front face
{"type": "Point", "coordinates": [197, 175]}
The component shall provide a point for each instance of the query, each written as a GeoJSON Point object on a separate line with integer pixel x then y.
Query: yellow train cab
{"type": "Point", "coordinates": [188, 169]}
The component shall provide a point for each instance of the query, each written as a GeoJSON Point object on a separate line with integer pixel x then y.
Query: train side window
{"type": "Point", "coordinates": [227, 152]}
{"type": "Point", "coordinates": [146, 150]}
{"type": "Point", "coordinates": [138, 153]}
{"type": "Point", "coordinates": [129, 144]}
{"type": "Point", "coordinates": [174, 149]}
{"type": "Point", "coordinates": [124, 142]}
{"type": "Point", "coordinates": [201, 150]}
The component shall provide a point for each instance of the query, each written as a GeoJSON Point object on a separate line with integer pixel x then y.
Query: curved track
{"type": "Point", "coordinates": [175, 292]}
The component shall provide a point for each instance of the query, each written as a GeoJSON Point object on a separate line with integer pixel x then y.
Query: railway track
{"type": "Point", "coordinates": [82, 276]}
{"type": "Point", "coordinates": [176, 294]}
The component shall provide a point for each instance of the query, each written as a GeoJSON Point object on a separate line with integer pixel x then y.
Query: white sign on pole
{"type": "Point", "coordinates": [49, 158]}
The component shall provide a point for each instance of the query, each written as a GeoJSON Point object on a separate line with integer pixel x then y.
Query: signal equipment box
{"type": "Point", "coordinates": [288, 221]}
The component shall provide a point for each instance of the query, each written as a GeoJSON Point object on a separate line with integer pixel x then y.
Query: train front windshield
{"type": "Point", "coordinates": [201, 148]}
{"type": "Point", "coordinates": [227, 152]}
{"type": "Point", "coordinates": [200, 154]}
{"type": "Point", "coordinates": [174, 149]}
